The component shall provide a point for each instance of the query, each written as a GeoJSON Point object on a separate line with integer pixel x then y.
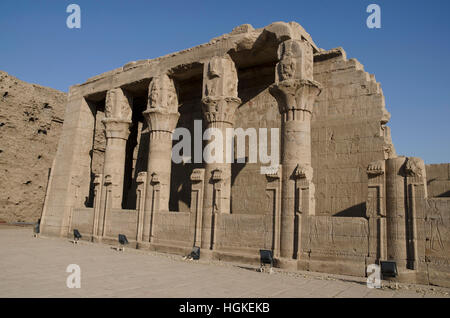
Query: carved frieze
{"type": "Point", "coordinates": [142, 177]}
{"type": "Point", "coordinates": [197, 175]}
{"type": "Point", "coordinates": [303, 171]}
{"type": "Point", "coordinates": [217, 175]}
{"type": "Point", "coordinates": [376, 168]}
{"type": "Point", "coordinates": [155, 178]}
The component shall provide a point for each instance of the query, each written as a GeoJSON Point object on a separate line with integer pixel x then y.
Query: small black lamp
{"type": "Point", "coordinates": [76, 236]}
{"type": "Point", "coordinates": [266, 258]}
{"type": "Point", "coordinates": [122, 241]}
{"type": "Point", "coordinates": [388, 268]}
{"type": "Point", "coordinates": [195, 254]}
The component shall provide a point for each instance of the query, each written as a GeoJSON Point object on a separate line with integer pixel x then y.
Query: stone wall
{"type": "Point", "coordinates": [348, 132]}
{"type": "Point", "coordinates": [437, 245]}
{"type": "Point", "coordinates": [31, 118]}
{"type": "Point", "coordinates": [83, 221]}
{"type": "Point", "coordinates": [121, 222]}
{"type": "Point", "coordinates": [335, 244]}
{"type": "Point", "coordinates": [438, 180]}
{"type": "Point", "coordinates": [173, 228]}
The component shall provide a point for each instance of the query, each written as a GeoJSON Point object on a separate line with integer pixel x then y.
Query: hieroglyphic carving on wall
{"type": "Point", "coordinates": [435, 225]}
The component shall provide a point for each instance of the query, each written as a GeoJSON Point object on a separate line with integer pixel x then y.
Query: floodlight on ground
{"type": "Point", "coordinates": [76, 236]}
{"type": "Point", "coordinates": [195, 254]}
{"type": "Point", "coordinates": [122, 241]}
{"type": "Point", "coordinates": [388, 268]}
{"type": "Point", "coordinates": [266, 258]}
{"type": "Point", "coordinates": [37, 228]}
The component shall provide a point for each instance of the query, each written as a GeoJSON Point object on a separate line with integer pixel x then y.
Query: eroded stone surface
{"type": "Point", "coordinates": [31, 118]}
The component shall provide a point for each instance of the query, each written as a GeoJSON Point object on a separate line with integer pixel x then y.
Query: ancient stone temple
{"type": "Point", "coordinates": [339, 199]}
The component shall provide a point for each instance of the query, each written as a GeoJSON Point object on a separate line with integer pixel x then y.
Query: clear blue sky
{"type": "Point", "coordinates": [409, 55]}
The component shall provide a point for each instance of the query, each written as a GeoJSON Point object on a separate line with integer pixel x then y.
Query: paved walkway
{"type": "Point", "coordinates": [36, 267]}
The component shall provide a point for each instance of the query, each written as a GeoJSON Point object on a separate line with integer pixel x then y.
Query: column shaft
{"type": "Point", "coordinates": [295, 92]}
{"type": "Point", "coordinates": [162, 117]}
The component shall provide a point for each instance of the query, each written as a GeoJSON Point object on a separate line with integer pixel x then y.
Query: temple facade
{"type": "Point", "coordinates": [339, 199]}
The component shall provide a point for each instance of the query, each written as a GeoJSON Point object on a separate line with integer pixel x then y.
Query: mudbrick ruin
{"type": "Point", "coordinates": [340, 199]}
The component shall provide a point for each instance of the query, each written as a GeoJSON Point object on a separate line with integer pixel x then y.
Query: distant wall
{"type": "Point", "coordinates": [438, 180]}
{"type": "Point", "coordinates": [348, 132]}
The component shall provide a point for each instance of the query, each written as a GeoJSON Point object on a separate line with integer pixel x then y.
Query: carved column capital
{"type": "Point", "coordinates": [414, 167]}
{"type": "Point", "coordinates": [294, 88]}
{"type": "Point", "coordinates": [220, 109]}
{"type": "Point", "coordinates": [162, 94]}
{"type": "Point", "coordinates": [220, 95]}
{"type": "Point", "coordinates": [118, 104]}
{"type": "Point", "coordinates": [117, 128]}
{"type": "Point", "coordinates": [162, 112]}
{"type": "Point", "coordinates": [197, 175]}
{"type": "Point", "coordinates": [108, 180]}
{"type": "Point", "coordinates": [141, 178]}
{"type": "Point", "coordinates": [273, 173]}
{"type": "Point", "coordinates": [376, 168]}
{"type": "Point", "coordinates": [294, 95]}
{"type": "Point", "coordinates": [159, 120]}
{"type": "Point", "coordinates": [98, 179]}
{"type": "Point", "coordinates": [303, 171]}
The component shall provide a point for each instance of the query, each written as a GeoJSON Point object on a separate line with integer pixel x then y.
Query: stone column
{"type": "Point", "coordinates": [117, 123]}
{"type": "Point", "coordinates": [295, 92]}
{"type": "Point", "coordinates": [220, 102]}
{"type": "Point", "coordinates": [98, 185]}
{"type": "Point", "coordinates": [162, 117]}
{"type": "Point", "coordinates": [197, 188]}
{"type": "Point", "coordinates": [376, 211]}
{"type": "Point", "coordinates": [118, 108]}
{"type": "Point", "coordinates": [141, 181]}
{"type": "Point", "coordinates": [396, 211]}
{"type": "Point", "coordinates": [406, 194]}
{"type": "Point", "coordinates": [273, 176]}
{"type": "Point", "coordinates": [416, 181]}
